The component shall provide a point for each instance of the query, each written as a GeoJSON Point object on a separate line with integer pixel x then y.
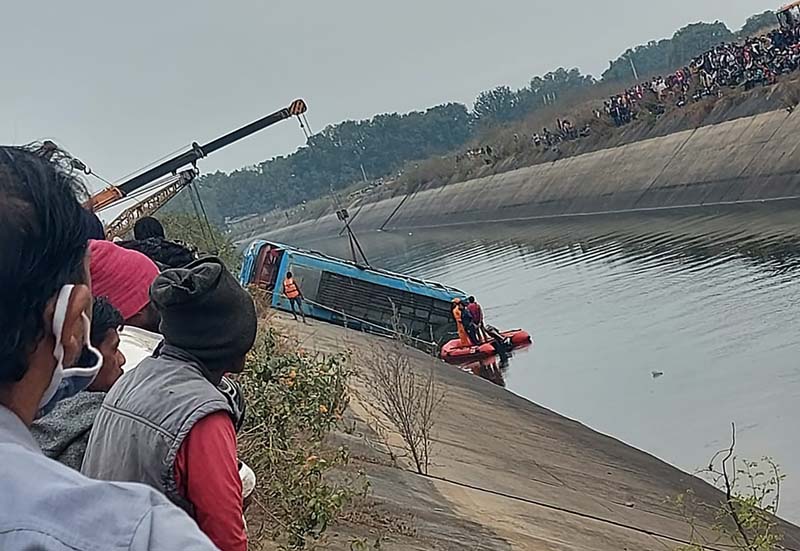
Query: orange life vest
{"type": "Point", "coordinates": [290, 289]}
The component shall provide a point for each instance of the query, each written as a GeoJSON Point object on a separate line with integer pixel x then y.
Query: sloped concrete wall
{"type": "Point", "coordinates": [751, 158]}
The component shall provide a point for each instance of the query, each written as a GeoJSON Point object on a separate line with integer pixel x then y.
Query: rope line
{"type": "Point", "coordinates": [153, 163]}
{"type": "Point", "coordinates": [565, 510]}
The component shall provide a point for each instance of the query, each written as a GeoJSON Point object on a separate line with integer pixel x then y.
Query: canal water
{"type": "Point", "coordinates": [660, 329]}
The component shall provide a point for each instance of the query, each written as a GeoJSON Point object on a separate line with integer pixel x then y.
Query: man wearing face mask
{"type": "Point", "coordinates": [45, 301]}
{"type": "Point", "coordinates": [166, 423]}
{"type": "Point", "coordinates": [64, 432]}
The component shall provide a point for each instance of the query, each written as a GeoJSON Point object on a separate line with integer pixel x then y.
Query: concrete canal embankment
{"type": "Point", "coordinates": [510, 474]}
{"type": "Point", "coordinates": [752, 158]}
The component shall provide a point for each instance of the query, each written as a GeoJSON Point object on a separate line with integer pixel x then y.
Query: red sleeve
{"type": "Point", "coordinates": [207, 474]}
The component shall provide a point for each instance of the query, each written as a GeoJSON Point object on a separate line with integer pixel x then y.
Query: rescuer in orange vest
{"type": "Point", "coordinates": [291, 290]}
{"type": "Point", "coordinates": [462, 333]}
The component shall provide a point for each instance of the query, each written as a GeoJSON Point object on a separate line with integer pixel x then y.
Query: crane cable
{"type": "Point", "coordinates": [202, 218]}
{"type": "Point", "coordinates": [304, 126]}
{"type": "Point", "coordinates": [197, 214]}
{"type": "Point", "coordinates": [154, 163]}
{"type": "Point", "coordinates": [205, 218]}
{"type": "Point", "coordinates": [77, 164]}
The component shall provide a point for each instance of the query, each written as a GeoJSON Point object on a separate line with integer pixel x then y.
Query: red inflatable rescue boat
{"type": "Point", "coordinates": [454, 352]}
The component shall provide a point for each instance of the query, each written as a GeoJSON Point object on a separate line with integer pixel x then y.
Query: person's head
{"type": "Point", "coordinates": [289, 275]}
{"type": "Point", "coordinates": [471, 300]}
{"type": "Point", "coordinates": [148, 318]}
{"type": "Point", "coordinates": [124, 277]}
{"type": "Point", "coordinates": [93, 225]}
{"type": "Point", "coordinates": [205, 312]}
{"type": "Point", "coordinates": [167, 254]}
{"type": "Point", "coordinates": [45, 295]}
{"type": "Point", "coordinates": [104, 336]}
{"type": "Point", "coordinates": [147, 227]}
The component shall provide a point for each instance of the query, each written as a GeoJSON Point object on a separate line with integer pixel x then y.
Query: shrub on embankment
{"type": "Point", "coordinates": [294, 400]}
{"type": "Point", "coordinates": [747, 518]}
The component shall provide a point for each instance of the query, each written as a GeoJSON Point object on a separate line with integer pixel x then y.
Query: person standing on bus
{"type": "Point", "coordinates": [292, 292]}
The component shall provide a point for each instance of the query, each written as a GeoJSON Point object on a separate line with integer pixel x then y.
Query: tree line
{"type": "Point", "coordinates": [345, 153]}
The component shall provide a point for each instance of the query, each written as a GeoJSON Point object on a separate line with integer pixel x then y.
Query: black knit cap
{"type": "Point", "coordinates": [205, 311]}
{"type": "Point", "coordinates": [93, 225]}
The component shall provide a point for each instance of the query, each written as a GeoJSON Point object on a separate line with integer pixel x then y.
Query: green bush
{"type": "Point", "coordinates": [294, 401]}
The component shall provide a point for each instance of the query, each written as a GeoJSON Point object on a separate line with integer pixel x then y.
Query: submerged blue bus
{"type": "Point", "coordinates": [344, 292]}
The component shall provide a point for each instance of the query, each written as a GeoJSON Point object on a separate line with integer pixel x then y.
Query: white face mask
{"type": "Point", "coordinates": [69, 381]}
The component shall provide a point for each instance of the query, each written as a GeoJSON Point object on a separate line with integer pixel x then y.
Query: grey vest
{"type": "Point", "coordinates": [145, 418]}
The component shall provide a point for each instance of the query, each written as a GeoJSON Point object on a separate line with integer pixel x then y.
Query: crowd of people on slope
{"type": "Point", "coordinates": [118, 421]}
{"type": "Point", "coordinates": [565, 131]}
{"type": "Point", "coordinates": [485, 154]}
{"type": "Point", "coordinates": [547, 139]}
{"type": "Point", "coordinates": [758, 60]}
{"type": "Point", "coordinates": [755, 61]}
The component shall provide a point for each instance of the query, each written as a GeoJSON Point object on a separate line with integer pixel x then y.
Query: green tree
{"type": "Point", "coordinates": [207, 240]}
{"type": "Point", "coordinates": [498, 105]}
{"type": "Point", "coordinates": [666, 55]}
{"type": "Point", "coordinates": [502, 105]}
{"type": "Point", "coordinates": [333, 159]}
{"type": "Point", "coordinates": [758, 23]}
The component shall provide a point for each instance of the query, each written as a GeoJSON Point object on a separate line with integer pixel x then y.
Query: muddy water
{"type": "Point", "coordinates": [660, 329]}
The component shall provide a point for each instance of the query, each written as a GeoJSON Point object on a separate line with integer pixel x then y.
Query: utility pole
{"type": "Point", "coordinates": [633, 67]}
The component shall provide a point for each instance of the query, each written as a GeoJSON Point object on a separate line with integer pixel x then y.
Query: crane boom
{"type": "Point", "coordinates": [124, 221]}
{"type": "Point", "coordinates": [171, 166]}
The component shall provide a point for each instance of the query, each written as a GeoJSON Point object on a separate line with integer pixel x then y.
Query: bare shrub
{"type": "Point", "coordinates": [409, 401]}
{"type": "Point", "coordinates": [746, 518]}
{"type": "Point", "coordinates": [263, 301]}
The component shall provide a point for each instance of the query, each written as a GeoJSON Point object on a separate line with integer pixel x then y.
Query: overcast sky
{"type": "Point", "coordinates": [121, 84]}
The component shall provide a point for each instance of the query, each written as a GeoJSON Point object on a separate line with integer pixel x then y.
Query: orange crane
{"type": "Point", "coordinates": [173, 178]}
